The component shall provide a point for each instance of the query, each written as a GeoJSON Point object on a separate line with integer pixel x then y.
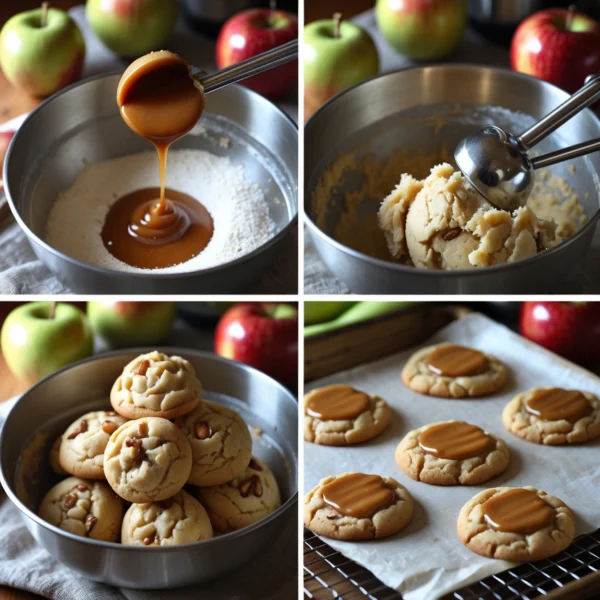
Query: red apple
{"type": "Point", "coordinates": [571, 329]}
{"type": "Point", "coordinates": [254, 31]}
{"type": "Point", "coordinates": [559, 45]}
{"type": "Point", "coordinates": [262, 335]}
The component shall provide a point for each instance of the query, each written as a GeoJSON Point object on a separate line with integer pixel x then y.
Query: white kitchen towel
{"type": "Point", "coordinates": [27, 566]}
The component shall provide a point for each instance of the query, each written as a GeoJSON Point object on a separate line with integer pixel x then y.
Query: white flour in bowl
{"type": "Point", "coordinates": [238, 207]}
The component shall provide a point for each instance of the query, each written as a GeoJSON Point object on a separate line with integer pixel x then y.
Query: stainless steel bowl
{"type": "Point", "coordinates": [82, 124]}
{"type": "Point", "coordinates": [43, 413]}
{"type": "Point", "coordinates": [402, 110]}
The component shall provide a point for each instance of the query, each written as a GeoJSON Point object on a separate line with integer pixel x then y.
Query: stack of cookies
{"type": "Point", "coordinates": [516, 524]}
{"type": "Point", "coordinates": [160, 437]}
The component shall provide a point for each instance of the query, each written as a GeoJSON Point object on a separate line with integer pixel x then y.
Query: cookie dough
{"type": "Point", "coordinates": [83, 443]}
{"type": "Point", "coordinates": [84, 507]}
{"type": "Point", "coordinates": [516, 524]}
{"type": "Point", "coordinates": [339, 415]}
{"type": "Point", "coordinates": [178, 520]}
{"type": "Point", "coordinates": [483, 377]}
{"type": "Point", "coordinates": [156, 385]}
{"type": "Point", "coordinates": [54, 457]}
{"type": "Point", "coordinates": [355, 506]}
{"type": "Point", "coordinates": [251, 496]}
{"type": "Point", "coordinates": [452, 453]}
{"type": "Point", "coordinates": [147, 460]}
{"type": "Point", "coordinates": [567, 416]}
{"type": "Point", "coordinates": [220, 440]}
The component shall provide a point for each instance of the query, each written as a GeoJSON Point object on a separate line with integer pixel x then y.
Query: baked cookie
{"type": "Point", "coordinates": [553, 416]}
{"type": "Point", "coordinates": [83, 443]}
{"type": "Point", "coordinates": [355, 506]}
{"type": "Point", "coordinates": [452, 453]}
{"type": "Point", "coordinates": [516, 524]}
{"type": "Point", "coordinates": [54, 457]}
{"type": "Point", "coordinates": [84, 507]}
{"type": "Point", "coordinates": [339, 415]}
{"type": "Point", "coordinates": [220, 441]}
{"type": "Point", "coordinates": [453, 371]}
{"type": "Point", "coordinates": [147, 460]}
{"type": "Point", "coordinates": [251, 496]}
{"type": "Point", "coordinates": [156, 385]}
{"type": "Point", "coordinates": [178, 520]}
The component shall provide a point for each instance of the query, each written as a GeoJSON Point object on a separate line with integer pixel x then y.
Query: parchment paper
{"type": "Point", "coordinates": [427, 559]}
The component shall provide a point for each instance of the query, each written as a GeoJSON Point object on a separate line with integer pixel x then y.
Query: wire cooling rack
{"type": "Point", "coordinates": [573, 574]}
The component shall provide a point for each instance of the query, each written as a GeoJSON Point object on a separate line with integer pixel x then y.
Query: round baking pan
{"type": "Point", "coordinates": [421, 111]}
{"type": "Point", "coordinates": [82, 124]}
{"type": "Point", "coordinates": [43, 413]}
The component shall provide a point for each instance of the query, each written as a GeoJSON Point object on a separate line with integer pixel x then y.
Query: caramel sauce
{"type": "Point", "coordinates": [517, 511]}
{"type": "Point", "coordinates": [556, 404]}
{"type": "Point", "coordinates": [456, 440]}
{"type": "Point", "coordinates": [160, 101]}
{"type": "Point", "coordinates": [337, 403]}
{"type": "Point", "coordinates": [457, 361]}
{"type": "Point", "coordinates": [358, 495]}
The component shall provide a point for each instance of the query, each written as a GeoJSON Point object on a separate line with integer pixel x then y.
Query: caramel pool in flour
{"type": "Point", "coordinates": [337, 403]}
{"type": "Point", "coordinates": [555, 404]}
{"type": "Point", "coordinates": [156, 228]}
{"type": "Point", "coordinates": [452, 360]}
{"type": "Point", "coordinates": [455, 440]}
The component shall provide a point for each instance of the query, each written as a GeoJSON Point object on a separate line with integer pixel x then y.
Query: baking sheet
{"type": "Point", "coordinates": [427, 560]}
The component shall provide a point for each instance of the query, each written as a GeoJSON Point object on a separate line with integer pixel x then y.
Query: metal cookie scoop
{"type": "Point", "coordinates": [497, 163]}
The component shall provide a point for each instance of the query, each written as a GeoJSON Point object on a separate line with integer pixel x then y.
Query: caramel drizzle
{"type": "Point", "coordinates": [456, 440]}
{"type": "Point", "coordinates": [556, 404]}
{"type": "Point", "coordinates": [337, 403]}
{"type": "Point", "coordinates": [452, 360]}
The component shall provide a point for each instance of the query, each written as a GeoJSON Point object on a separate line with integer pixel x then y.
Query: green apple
{"type": "Point", "coordinates": [337, 54]}
{"type": "Point", "coordinates": [39, 338]}
{"type": "Point", "coordinates": [132, 28]}
{"type": "Point", "coordinates": [422, 29]}
{"type": "Point", "coordinates": [41, 50]}
{"type": "Point", "coordinates": [321, 312]}
{"type": "Point", "coordinates": [122, 324]}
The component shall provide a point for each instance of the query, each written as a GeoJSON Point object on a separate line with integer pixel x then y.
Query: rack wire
{"type": "Point", "coordinates": [329, 574]}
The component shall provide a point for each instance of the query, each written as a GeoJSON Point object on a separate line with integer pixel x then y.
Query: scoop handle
{"type": "Point", "coordinates": [251, 66]}
{"type": "Point", "coordinates": [582, 98]}
{"type": "Point", "coordinates": [565, 154]}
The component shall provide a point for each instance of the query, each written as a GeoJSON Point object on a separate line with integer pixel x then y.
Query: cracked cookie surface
{"type": "Point", "coordinates": [324, 520]}
{"type": "Point", "coordinates": [156, 385]}
{"type": "Point", "coordinates": [436, 470]}
{"type": "Point", "coordinates": [251, 496]}
{"type": "Point", "coordinates": [417, 376]}
{"type": "Point", "coordinates": [519, 421]}
{"type": "Point", "coordinates": [480, 537]}
{"type": "Point", "coordinates": [178, 520]}
{"type": "Point", "coordinates": [346, 431]}
{"type": "Point", "coordinates": [147, 460]}
{"type": "Point", "coordinates": [81, 451]}
{"type": "Point", "coordinates": [220, 440]}
{"type": "Point", "coordinates": [84, 507]}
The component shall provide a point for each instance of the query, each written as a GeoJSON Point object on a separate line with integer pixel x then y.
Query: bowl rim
{"type": "Point", "coordinates": [227, 537]}
{"type": "Point", "coordinates": [147, 274]}
{"type": "Point", "coordinates": [439, 273]}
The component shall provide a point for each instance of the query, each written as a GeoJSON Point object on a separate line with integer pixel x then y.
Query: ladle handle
{"type": "Point", "coordinates": [565, 154]}
{"type": "Point", "coordinates": [251, 66]}
{"type": "Point", "coordinates": [585, 96]}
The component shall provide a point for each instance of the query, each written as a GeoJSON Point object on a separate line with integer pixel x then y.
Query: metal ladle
{"type": "Point", "coordinates": [497, 163]}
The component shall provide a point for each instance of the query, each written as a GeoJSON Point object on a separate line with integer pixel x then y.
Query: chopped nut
{"type": "Point", "coordinates": [135, 445]}
{"type": "Point", "coordinates": [331, 517]}
{"type": "Point", "coordinates": [450, 234]}
{"type": "Point", "coordinates": [82, 487]}
{"type": "Point", "coordinates": [148, 541]}
{"type": "Point", "coordinates": [245, 488]}
{"type": "Point", "coordinates": [203, 430]}
{"type": "Point", "coordinates": [257, 488]}
{"type": "Point", "coordinates": [109, 427]}
{"type": "Point", "coordinates": [143, 367]}
{"type": "Point", "coordinates": [70, 501]}
{"type": "Point", "coordinates": [143, 429]}
{"type": "Point", "coordinates": [110, 413]}
{"type": "Point", "coordinates": [90, 522]}
{"type": "Point", "coordinates": [254, 465]}
{"type": "Point", "coordinates": [83, 427]}
{"type": "Point", "coordinates": [166, 504]}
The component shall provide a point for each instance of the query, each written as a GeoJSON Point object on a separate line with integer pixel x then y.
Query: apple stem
{"type": "Point", "coordinates": [571, 16]}
{"type": "Point", "coordinates": [337, 22]}
{"type": "Point", "coordinates": [52, 310]}
{"type": "Point", "coordinates": [45, 7]}
{"type": "Point", "coordinates": [272, 8]}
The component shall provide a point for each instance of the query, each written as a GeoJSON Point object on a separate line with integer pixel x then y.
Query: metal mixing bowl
{"type": "Point", "coordinates": [44, 412]}
{"type": "Point", "coordinates": [402, 110]}
{"type": "Point", "coordinates": [82, 124]}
